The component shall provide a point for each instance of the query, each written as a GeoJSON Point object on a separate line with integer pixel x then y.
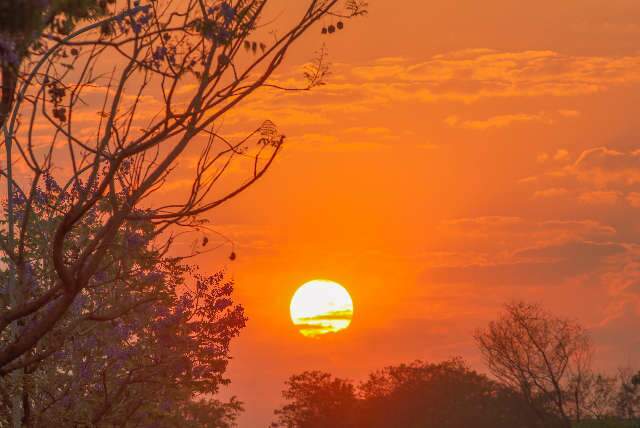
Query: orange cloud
{"type": "Point", "coordinates": [552, 192]}
{"type": "Point", "coordinates": [599, 197]}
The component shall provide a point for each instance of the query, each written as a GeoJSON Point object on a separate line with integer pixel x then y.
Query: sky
{"type": "Point", "coordinates": [461, 155]}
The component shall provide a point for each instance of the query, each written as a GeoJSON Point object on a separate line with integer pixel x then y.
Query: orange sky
{"type": "Point", "coordinates": [463, 154]}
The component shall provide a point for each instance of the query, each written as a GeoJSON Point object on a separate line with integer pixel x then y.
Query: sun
{"type": "Point", "coordinates": [320, 306]}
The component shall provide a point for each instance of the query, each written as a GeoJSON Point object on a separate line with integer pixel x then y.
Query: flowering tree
{"type": "Point", "coordinates": [147, 335]}
{"type": "Point", "coordinates": [201, 60]}
{"type": "Point", "coordinates": [101, 116]}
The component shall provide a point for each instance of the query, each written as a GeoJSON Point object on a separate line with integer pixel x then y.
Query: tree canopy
{"type": "Point", "coordinates": [416, 395]}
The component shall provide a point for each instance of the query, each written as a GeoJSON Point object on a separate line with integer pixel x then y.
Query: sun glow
{"type": "Point", "coordinates": [320, 306]}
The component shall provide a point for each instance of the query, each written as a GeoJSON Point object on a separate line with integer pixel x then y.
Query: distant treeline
{"type": "Point", "coordinates": [542, 378]}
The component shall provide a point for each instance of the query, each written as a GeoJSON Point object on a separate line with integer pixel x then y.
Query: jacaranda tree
{"type": "Point", "coordinates": [146, 336]}
{"type": "Point", "coordinates": [104, 109]}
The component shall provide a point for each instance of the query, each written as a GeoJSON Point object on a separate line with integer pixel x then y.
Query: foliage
{"type": "Point", "coordinates": [627, 403]}
{"type": "Point", "coordinates": [607, 423]}
{"type": "Point", "coordinates": [317, 400]}
{"type": "Point", "coordinates": [147, 336]}
{"type": "Point", "coordinates": [447, 395]}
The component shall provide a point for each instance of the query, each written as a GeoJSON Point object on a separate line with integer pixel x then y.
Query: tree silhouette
{"type": "Point", "coordinates": [446, 394]}
{"type": "Point", "coordinates": [416, 395]}
{"type": "Point", "coordinates": [627, 400]}
{"type": "Point", "coordinates": [317, 400]}
{"type": "Point", "coordinates": [545, 357]}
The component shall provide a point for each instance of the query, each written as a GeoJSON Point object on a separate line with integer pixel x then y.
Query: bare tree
{"type": "Point", "coordinates": [161, 76]}
{"type": "Point", "coordinates": [545, 357]}
{"type": "Point", "coordinates": [628, 396]}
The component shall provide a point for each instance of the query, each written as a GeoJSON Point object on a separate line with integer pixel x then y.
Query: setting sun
{"type": "Point", "coordinates": [319, 307]}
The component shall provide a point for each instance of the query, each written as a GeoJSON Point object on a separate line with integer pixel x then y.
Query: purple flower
{"type": "Point", "coordinates": [135, 240]}
{"type": "Point", "coordinates": [152, 277]}
{"type": "Point", "coordinates": [85, 372]}
{"type": "Point", "coordinates": [222, 304]}
{"type": "Point", "coordinates": [19, 199]}
{"type": "Point", "coordinates": [78, 303]}
{"type": "Point", "coordinates": [227, 11]}
{"type": "Point", "coordinates": [100, 276]}
{"type": "Point", "coordinates": [39, 197]}
{"type": "Point", "coordinates": [8, 54]}
{"type": "Point", "coordinates": [78, 187]}
{"type": "Point", "coordinates": [50, 183]}
{"type": "Point", "coordinates": [224, 36]}
{"type": "Point", "coordinates": [159, 54]}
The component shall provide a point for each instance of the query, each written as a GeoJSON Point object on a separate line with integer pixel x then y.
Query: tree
{"type": "Point", "coordinates": [628, 396]}
{"type": "Point", "coordinates": [201, 59]}
{"type": "Point", "coordinates": [545, 357]}
{"type": "Point", "coordinates": [597, 393]}
{"type": "Point", "coordinates": [197, 61]}
{"type": "Point", "coordinates": [317, 400]}
{"type": "Point", "coordinates": [22, 24]}
{"type": "Point", "coordinates": [447, 395]}
{"type": "Point", "coordinates": [145, 337]}
{"type": "Point", "coordinates": [416, 395]}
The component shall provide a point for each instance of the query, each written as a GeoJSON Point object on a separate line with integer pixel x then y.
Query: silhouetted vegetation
{"type": "Point", "coordinates": [543, 378]}
{"type": "Point", "coordinates": [447, 394]}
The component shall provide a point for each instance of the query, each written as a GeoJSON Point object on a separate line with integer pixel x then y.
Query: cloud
{"type": "Point", "coordinates": [597, 176]}
{"type": "Point", "coordinates": [561, 155]}
{"type": "Point", "coordinates": [519, 229]}
{"type": "Point", "coordinates": [552, 192]}
{"type": "Point", "coordinates": [502, 121]}
{"type": "Point", "coordinates": [633, 198]}
{"type": "Point", "coordinates": [498, 251]}
{"type": "Point", "coordinates": [470, 75]}
{"type": "Point", "coordinates": [490, 221]}
{"type": "Point", "coordinates": [599, 197]}
{"type": "Point", "coordinates": [330, 316]}
{"type": "Point", "coordinates": [547, 265]}
{"type": "Point", "coordinates": [569, 113]}
{"type": "Point", "coordinates": [464, 76]}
